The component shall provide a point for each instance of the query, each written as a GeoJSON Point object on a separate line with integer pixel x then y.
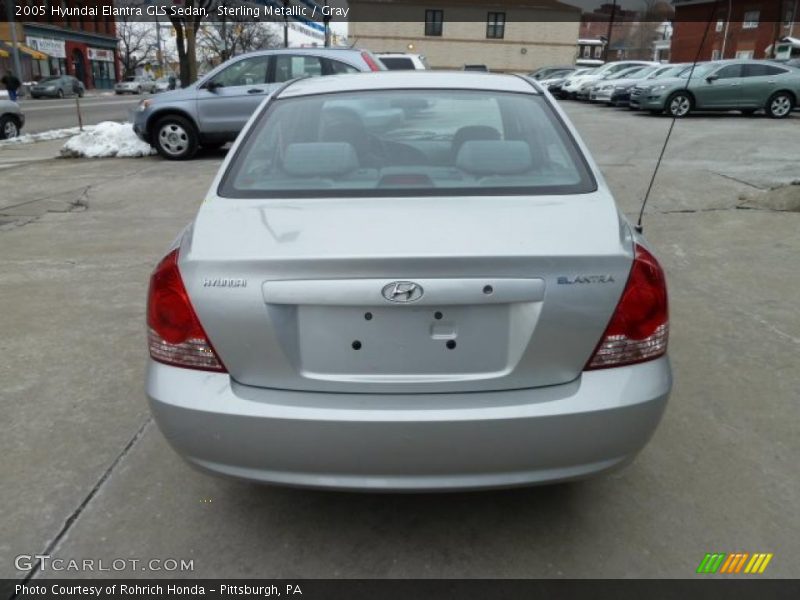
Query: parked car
{"type": "Point", "coordinates": [553, 77]}
{"type": "Point", "coordinates": [212, 111]}
{"type": "Point", "coordinates": [607, 83]}
{"type": "Point", "coordinates": [135, 84]}
{"type": "Point", "coordinates": [550, 72]}
{"type": "Point", "coordinates": [402, 61]}
{"type": "Point", "coordinates": [745, 85]}
{"type": "Point", "coordinates": [582, 84]}
{"type": "Point", "coordinates": [621, 94]}
{"type": "Point", "coordinates": [556, 85]}
{"type": "Point", "coordinates": [623, 82]}
{"type": "Point", "coordinates": [58, 86]}
{"type": "Point", "coordinates": [294, 340]}
{"type": "Point", "coordinates": [162, 85]}
{"type": "Point", "coordinates": [11, 119]}
{"type": "Point", "coordinates": [482, 68]}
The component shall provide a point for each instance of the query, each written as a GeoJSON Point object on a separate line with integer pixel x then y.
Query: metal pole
{"type": "Point", "coordinates": [14, 50]}
{"type": "Point", "coordinates": [610, 28]}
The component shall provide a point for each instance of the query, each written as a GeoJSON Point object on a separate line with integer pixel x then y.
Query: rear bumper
{"type": "Point", "coordinates": [410, 442]}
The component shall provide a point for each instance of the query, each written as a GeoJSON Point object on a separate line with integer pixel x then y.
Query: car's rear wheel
{"type": "Point", "coordinates": [9, 128]}
{"type": "Point", "coordinates": [175, 138]}
{"type": "Point", "coordinates": [780, 105]}
{"type": "Point", "coordinates": [679, 105]}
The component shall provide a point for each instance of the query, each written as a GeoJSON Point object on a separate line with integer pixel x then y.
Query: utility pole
{"type": "Point", "coordinates": [158, 49]}
{"type": "Point", "coordinates": [610, 28]}
{"type": "Point", "coordinates": [14, 42]}
{"type": "Point", "coordinates": [285, 25]}
{"type": "Point", "coordinates": [725, 33]}
{"type": "Point", "coordinates": [327, 20]}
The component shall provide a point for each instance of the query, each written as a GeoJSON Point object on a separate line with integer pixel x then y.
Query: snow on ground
{"type": "Point", "coordinates": [106, 139]}
{"type": "Point", "coordinates": [54, 134]}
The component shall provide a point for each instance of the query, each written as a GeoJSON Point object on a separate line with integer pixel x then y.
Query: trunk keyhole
{"type": "Point", "coordinates": [368, 316]}
{"type": "Point", "coordinates": [451, 344]}
{"type": "Point", "coordinates": [437, 315]}
{"type": "Point", "coordinates": [487, 289]}
{"type": "Point", "coordinates": [356, 345]}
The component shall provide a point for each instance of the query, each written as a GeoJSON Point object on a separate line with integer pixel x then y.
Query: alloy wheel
{"type": "Point", "coordinates": [780, 105]}
{"type": "Point", "coordinates": [173, 139]}
{"type": "Point", "coordinates": [10, 130]}
{"type": "Point", "coordinates": [679, 106]}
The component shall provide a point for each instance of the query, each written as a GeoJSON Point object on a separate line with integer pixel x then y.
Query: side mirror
{"type": "Point", "coordinates": [212, 86]}
{"type": "Point", "coordinates": [711, 78]}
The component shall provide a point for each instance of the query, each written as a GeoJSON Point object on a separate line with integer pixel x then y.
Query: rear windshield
{"type": "Point", "coordinates": [407, 142]}
{"type": "Point", "coordinates": [397, 63]}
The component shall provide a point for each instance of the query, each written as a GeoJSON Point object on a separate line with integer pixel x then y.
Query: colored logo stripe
{"type": "Point", "coordinates": [721, 562]}
{"type": "Point", "coordinates": [758, 563]}
{"type": "Point", "coordinates": [711, 563]}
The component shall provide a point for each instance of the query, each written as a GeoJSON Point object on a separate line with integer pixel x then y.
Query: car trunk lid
{"type": "Point", "coordinates": [406, 295]}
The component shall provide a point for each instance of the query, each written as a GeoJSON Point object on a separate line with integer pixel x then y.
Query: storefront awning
{"type": "Point", "coordinates": [6, 48]}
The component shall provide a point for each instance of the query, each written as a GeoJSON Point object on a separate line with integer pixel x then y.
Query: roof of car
{"type": "Point", "coordinates": [388, 80]}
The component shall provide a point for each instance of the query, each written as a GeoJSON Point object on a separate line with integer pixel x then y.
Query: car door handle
{"type": "Point", "coordinates": [255, 91]}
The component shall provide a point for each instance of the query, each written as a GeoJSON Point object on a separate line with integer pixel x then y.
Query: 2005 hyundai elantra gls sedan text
{"type": "Point", "coordinates": [408, 281]}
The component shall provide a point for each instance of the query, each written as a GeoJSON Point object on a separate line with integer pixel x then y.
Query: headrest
{"type": "Point", "coordinates": [494, 157]}
{"type": "Point", "coordinates": [320, 159]}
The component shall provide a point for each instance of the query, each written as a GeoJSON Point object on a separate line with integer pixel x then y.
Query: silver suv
{"type": "Point", "coordinates": [212, 111]}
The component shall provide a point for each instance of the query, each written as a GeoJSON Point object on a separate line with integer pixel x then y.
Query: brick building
{"type": "Point", "coordinates": [507, 35]}
{"type": "Point", "coordinates": [749, 30]}
{"type": "Point", "coordinates": [84, 46]}
{"type": "Point", "coordinates": [633, 33]}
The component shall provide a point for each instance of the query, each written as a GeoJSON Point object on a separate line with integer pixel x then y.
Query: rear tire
{"type": "Point", "coordinates": [175, 138]}
{"type": "Point", "coordinates": [679, 105]}
{"type": "Point", "coordinates": [780, 105]}
{"type": "Point", "coordinates": [9, 128]}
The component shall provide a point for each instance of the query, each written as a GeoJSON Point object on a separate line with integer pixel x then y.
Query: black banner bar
{"type": "Point", "coordinates": [733, 588]}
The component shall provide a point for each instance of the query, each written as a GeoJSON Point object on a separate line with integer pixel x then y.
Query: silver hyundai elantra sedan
{"type": "Point", "coordinates": [408, 281]}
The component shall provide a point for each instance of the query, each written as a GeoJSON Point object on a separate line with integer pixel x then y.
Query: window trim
{"type": "Point", "coordinates": [434, 28]}
{"type": "Point", "coordinates": [495, 25]}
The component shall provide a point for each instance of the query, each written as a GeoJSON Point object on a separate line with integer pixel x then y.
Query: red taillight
{"type": "Point", "coordinates": [175, 335]}
{"type": "Point", "coordinates": [373, 66]}
{"type": "Point", "coordinates": [639, 328]}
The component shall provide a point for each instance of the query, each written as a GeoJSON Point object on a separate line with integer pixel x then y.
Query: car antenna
{"type": "Point", "coordinates": [639, 226]}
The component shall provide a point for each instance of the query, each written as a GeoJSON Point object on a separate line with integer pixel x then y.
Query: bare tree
{"type": "Point", "coordinates": [185, 36]}
{"type": "Point", "coordinates": [218, 41]}
{"type": "Point", "coordinates": [137, 45]}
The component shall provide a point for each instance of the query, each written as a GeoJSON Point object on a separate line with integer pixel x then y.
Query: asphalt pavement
{"type": "Point", "coordinates": [87, 475]}
{"type": "Point", "coordinates": [48, 114]}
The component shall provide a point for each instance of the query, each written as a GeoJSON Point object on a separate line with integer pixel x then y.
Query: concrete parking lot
{"type": "Point", "coordinates": [86, 474]}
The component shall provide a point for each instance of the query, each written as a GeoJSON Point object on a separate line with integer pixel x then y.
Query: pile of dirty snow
{"type": "Point", "coordinates": [106, 139]}
{"type": "Point", "coordinates": [53, 134]}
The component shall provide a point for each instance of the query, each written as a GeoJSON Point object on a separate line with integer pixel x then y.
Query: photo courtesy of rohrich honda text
{"type": "Point", "coordinates": [327, 298]}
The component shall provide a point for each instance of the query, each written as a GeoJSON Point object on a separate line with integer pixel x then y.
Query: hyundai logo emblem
{"type": "Point", "coordinates": [402, 291]}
